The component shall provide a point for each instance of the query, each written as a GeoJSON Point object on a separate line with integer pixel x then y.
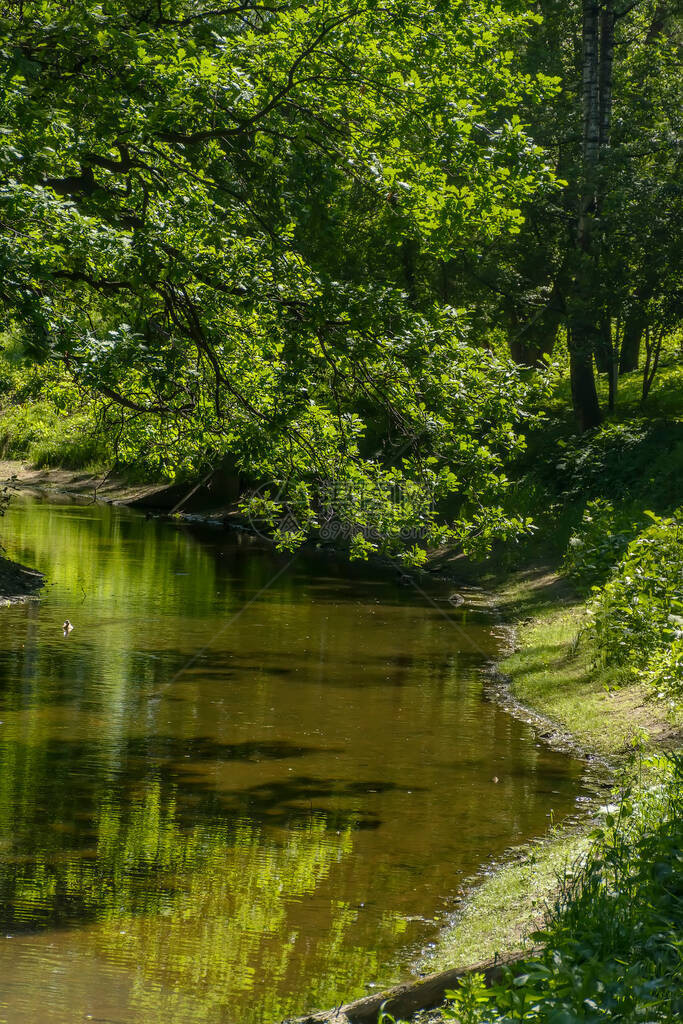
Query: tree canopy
{"type": "Point", "coordinates": [288, 236]}
{"type": "Point", "coordinates": [209, 215]}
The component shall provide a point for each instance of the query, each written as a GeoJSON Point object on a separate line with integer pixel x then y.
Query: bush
{"type": "Point", "coordinates": [598, 542]}
{"type": "Point", "coordinates": [634, 461]}
{"type": "Point", "coordinates": [44, 437]}
{"type": "Point", "coordinates": [665, 672]}
{"type": "Point", "coordinates": [634, 613]}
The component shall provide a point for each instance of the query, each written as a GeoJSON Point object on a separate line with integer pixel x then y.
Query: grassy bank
{"type": "Point", "coordinates": [502, 911]}
{"type": "Point", "coordinates": [556, 670]}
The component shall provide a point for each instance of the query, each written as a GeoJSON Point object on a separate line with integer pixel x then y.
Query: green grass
{"type": "Point", "coordinates": [664, 400]}
{"type": "Point", "coordinates": [666, 396]}
{"type": "Point", "coordinates": [38, 433]}
{"type": "Point", "coordinates": [555, 672]}
{"type": "Point", "coordinates": [501, 912]}
{"type": "Point", "coordinates": [610, 949]}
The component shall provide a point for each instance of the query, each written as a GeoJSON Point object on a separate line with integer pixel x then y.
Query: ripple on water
{"type": "Point", "coordinates": [232, 792]}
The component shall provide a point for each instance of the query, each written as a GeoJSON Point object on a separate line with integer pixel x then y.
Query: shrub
{"type": "Point", "coordinates": [598, 542]}
{"type": "Point", "coordinates": [665, 672]}
{"type": "Point", "coordinates": [630, 461]}
{"type": "Point", "coordinates": [632, 613]}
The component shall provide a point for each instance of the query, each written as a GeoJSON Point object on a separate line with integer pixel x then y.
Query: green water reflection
{"type": "Point", "coordinates": [226, 799]}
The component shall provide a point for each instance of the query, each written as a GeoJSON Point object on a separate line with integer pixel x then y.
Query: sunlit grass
{"type": "Point", "coordinates": [555, 671]}
{"type": "Point", "coordinates": [664, 400]}
{"type": "Point", "coordinates": [501, 912]}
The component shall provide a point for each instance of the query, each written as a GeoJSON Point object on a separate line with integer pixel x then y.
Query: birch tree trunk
{"type": "Point", "coordinates": [607, 19]}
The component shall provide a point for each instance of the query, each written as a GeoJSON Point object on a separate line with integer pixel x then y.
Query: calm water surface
{"type": "Point", "coordinates": [238, 789]}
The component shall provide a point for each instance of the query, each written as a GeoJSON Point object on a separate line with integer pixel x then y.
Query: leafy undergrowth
{"type": "Point", "coordinates": [612, 945]}
{"type": "Point", "coordinates": [636, 616]}
{"type": "Point", "coordinates": [633, 575]}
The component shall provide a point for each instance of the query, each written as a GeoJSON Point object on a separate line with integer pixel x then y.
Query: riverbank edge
{"type": "Point", "coordinates": [18, 583]}
{"type": "Point", "coordinates": [507, 902]}
{"type": "Point", "coordinates": [85, 484]}
{"type": "Point", "coordinates": [567, 699]}
{"type": "Point", "coordinates": [501, 907]}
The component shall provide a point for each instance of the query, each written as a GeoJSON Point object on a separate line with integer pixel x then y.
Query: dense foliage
{"type": "Point", "coordinates": [297, 240]}
{"type": "Point", "coordinates": [637, 614]}
{"type": "Point", "coordinates": [600, 538]}
{"type": "Point", "coordinates": [208, 215]}
{"type": "Point", "coordinates": [623, 551]}
{"type": "Point", "coordinates": [599, 264]}
{"type": "Point", "coordinates": [367, 257]}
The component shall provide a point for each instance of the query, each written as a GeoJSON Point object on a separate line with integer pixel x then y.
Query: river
{"type": "Point", "coordinates": [243, 785]}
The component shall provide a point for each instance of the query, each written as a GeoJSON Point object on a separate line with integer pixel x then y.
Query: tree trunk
{"type": "Point", "coordinates": [605, 74]}
{"type": "Point", "coordinates": [603, 351]}
{"type": "Point", "coordinates": [418, 994]}
{"type": "Point", "coordinates": [606, 359]}
{"type": "Point", "coordinates": [614, 366]}
{"type": "Point", "coordinates": [584, 395]}
{"type": "Point", "coordinates": [634, 326]}
{"type": "Point", "coordinates": [529, 351]}
{"type": "Point", "coordinates": [653, 348]}
{"type": "Point", "coordinates": [584, 331]}
{"type": "Point", "coordinates": [532, 354]}
{"type": "Point", "coordinates": [535, 339]}
{"type": "Point", "coordinates": [605, 89]}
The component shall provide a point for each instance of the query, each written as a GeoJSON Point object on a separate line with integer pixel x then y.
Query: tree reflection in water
{"type": "Point", "coordinates": [241, 835]}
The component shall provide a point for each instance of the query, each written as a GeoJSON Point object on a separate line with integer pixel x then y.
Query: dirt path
{"type": "Point", "coordinates": [213, 499]}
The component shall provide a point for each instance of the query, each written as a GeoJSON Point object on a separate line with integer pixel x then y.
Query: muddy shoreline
{"type": "Point", "coordinates": [184, 498]}
{"type": "Point", "coordinates": [18, 583]}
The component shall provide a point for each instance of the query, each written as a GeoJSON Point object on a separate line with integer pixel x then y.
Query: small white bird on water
{"type": "Point", "coordinates": [67, 627]}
